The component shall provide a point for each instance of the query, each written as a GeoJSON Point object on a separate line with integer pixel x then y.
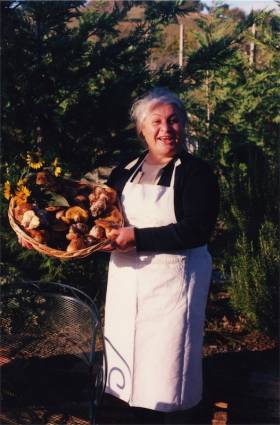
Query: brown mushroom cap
{"type": "Point", "coordinates": [81, 199]}
{"type": "Point", "coordinates": [53, 208]}
{"type": "Point", "coordinates": [41, 236]}
{"type": "Point", "coordinates": [45, 178]}
{"type": "Point", "coordinates": [76, 231]}
{"type": "Point", "coordinates": [76, 215]}
{"type": "Point", "coordinates": [60, 214]}
{"type": "Point", "coordinates": [97, 232]}
{"type": "Point", "coordinates": [107, 226]}
{"type": "Point", "coordinates": [79, 228]}
{"type": "Point", "coordinates": [71, 235]}
{"type": "Point", "coordinates": [90, 240]}
{"type": "Point", "coordinates": [76, 245]}
{"type": "Point", "coordinates": [112, 194]}
{"type": "Point", "coordinates": [114, 216]}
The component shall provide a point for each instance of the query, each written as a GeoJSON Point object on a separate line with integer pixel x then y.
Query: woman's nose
{"type": "Point", "coordinates": [165, 126]}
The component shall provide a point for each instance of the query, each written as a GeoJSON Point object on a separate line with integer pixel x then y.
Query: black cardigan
{"type": "Point", "coordinates": [196, 204]}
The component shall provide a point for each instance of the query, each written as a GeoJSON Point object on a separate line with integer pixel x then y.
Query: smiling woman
{"type": "Point", "coordinates": [163, 131]}
{"type": "Point", "coordinates": [160, 268]}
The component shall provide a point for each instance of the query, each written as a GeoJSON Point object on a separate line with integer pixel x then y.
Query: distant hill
{"type": "Point", "coordinates": [167, 52]}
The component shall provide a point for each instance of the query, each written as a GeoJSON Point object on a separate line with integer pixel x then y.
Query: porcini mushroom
{"type": "Point", "coordinates": [76, 214]}
{"type": "Point", "coordinates": [75, 245]}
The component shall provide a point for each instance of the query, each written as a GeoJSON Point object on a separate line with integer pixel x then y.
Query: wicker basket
{"type": "Point", "coordinates": [45, 249]}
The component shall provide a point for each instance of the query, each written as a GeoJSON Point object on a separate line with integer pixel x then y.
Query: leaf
{"type": "Point", "coordinates": [57, 200]}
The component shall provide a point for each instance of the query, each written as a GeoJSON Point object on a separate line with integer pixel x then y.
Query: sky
{"type": "Point", "coordinates": [248, 5]}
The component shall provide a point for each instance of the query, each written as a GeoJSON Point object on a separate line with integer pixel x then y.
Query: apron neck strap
{"type": "Point", "coordinates": [172, 181]}
{"type": "Point", "coordinates": [134, 174]}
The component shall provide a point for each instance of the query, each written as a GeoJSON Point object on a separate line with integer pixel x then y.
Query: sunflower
{"type": "Point", "coordinates": [34, 161]}
{"type": "Point", "coordinates": [22, 195]}
{"type": "Point", "coordinates": [7, 190]}
{"type": "Point", "coordinates": [21, 182]}
{"type": "Point", "coordinates": [56, 168]}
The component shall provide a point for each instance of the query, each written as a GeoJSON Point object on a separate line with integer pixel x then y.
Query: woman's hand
{"type": "Point", "coordinates": [23, 243]}
{"type": "Point", "coordinates": [123, 238]}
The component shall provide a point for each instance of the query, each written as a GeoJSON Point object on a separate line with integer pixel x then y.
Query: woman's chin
{"type": "Point", "coordinates": [167, 149]}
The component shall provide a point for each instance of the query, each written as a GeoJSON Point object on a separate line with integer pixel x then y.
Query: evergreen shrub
{"type": "Point", "coordinates": [254, 279]}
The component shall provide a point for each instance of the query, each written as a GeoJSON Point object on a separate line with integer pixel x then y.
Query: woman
{"type": "Point", "coordinates": [160, 270]}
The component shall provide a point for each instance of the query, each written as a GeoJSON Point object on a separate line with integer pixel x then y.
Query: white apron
{"type": "Point", "coordinates": [154, 314]}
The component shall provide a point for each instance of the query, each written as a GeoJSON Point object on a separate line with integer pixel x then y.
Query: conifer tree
{"type": "Point", "coordinates": [69, 79]}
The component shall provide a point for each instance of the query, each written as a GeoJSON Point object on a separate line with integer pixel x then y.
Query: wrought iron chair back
{"type": "Point", "coordinates": [52, 354]}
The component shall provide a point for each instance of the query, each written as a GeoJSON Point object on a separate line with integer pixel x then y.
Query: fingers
{"type": "Point", "coordinates": [124, 238]}
{"type": "Point", "coordinates": [109, 247]}
{"type": "Point", "coordinates": [114, 233]}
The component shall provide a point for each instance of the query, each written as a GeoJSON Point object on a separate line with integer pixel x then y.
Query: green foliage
{"type": "Point", "coordinates": [77, 76]}
{"type": "Point", "coordinates": [233, 115]}
{"type": "Point", "coordinates": [70, 77]}
{"type": "Point", "coordinates": [255, 281]}
{"type": "Point", "coordinates": [166, 12]}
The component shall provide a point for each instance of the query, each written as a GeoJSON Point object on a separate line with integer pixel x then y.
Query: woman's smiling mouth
{"type": "Point", "coordinates": [167, 140]}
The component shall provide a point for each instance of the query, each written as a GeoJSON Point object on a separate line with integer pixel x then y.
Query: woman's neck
{"type": "Point", "coordinates": [153, 159]}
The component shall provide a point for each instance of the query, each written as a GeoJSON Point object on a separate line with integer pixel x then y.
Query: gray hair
{"type": "Point", "coordinates": [158, 95]}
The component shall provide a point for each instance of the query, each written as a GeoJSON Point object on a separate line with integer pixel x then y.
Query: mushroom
{"type": "Point", "coordinates": [110, 221]}
{"type": "Point", "coordinates": [90, 240]}
{"type": "Point", "coordinates": [21, 209]}
{"type": "Point", "coordinates": [76, 244]}
{"type": "Point", "coordinates": [77, 230]}
{"type": "Point", "coordinates": [81, 200]}
{"type": "Point", "coordinates": [107, 226]}
{"type": "Point", "coordinates": [76, 215]}
{"type": "Point", "coordinates": [71, 235]}
{"type": "Point", "coordinates": [45, 178]}
{"type": "Point", "coordinates": [98, 207]}
{"type": "Point", "coordinates": [97, 232]}
{"type": "Point", "coordinates": [53, 209]}
{"type": "Point", "coordinates": [101, 199]}
{"type": "Point", "coordinates": [41, 236]}
{"type": "Point", "coordinates": [30, 220]}
{"type": "Point", "coordinates": [33, 219]}
{"type": "Point", "coordinates": [113, 216]}
{"type": "Point", "coordinates": [112, 194]}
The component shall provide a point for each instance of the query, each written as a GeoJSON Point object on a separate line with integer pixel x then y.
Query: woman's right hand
{"type": "Point", "coordinates": [23, 243]}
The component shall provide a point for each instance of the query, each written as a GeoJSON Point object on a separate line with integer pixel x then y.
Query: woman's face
{"type": "Point", "coordinates": [163, 130]}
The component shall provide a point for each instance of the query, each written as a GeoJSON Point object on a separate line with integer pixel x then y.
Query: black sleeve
{"type": "Point", "coordinates": [118, 178]}
{"type": "Point", "coordinates": [200, 204]}
{"type": "Point", "coordinates": [111, 181]}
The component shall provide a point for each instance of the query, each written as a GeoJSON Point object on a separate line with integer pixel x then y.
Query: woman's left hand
{"type": "Point", "coordinates": [123, 238]}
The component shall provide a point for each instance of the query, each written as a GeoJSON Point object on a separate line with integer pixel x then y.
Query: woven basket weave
{"type": "Point", "coordinates": [45, 249]}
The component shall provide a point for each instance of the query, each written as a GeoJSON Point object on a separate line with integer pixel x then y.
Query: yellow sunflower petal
{"type": "Point", "coordinates": [21, 182]}
{"type": "Point", "coordinates": [55, 162]}
{"type": "Point", "coordinates": [57, 171]}
{"type": "Point", "coordinates": [7, 190]}
{"type": "Point", "coordinates": [22, 194]}
{"type": "Point", "coordinates": [34, 161]}
{"type": "Point", "coordinates": [36, 165]}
